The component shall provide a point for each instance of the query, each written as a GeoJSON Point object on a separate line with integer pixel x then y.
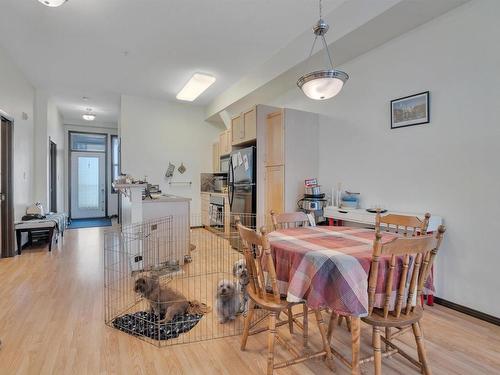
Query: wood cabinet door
{"type": "Point", "coordinates": [228, 141]}
{"type": "Point", "coordinates": [205, 203]}
{"type": "Point", "coordinates": [250, 125]}
{"type": "Point", "coordinates": [237, 130]}
{"type": "Point", "coordinates": [275, 139]}
{"type": "Point", "coordinates": [275, 189]}
{"type": "Point", "coordinates": [215, 157]}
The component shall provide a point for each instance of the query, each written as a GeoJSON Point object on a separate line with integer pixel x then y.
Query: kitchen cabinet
{"type": "Point", "coordinates": [287, 154]}
{"type": "Point", "coordinates": [275, 152]}
{"type": "Point", "coordinates": [205, 205]}
{"type": "Point", "coordinates": [275, 189]}
{"type": "Point", "coordinates": [244, 127]}
{"type": "Point", "coordinates": [237, 130]}
{"type": "Point", "coordinates": [225, 143]}
{"type": "Point", "coordinates": [216, 157]}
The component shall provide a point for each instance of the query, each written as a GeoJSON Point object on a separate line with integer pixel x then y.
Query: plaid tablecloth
{"type": "Point", "coordinates": [328, 267]}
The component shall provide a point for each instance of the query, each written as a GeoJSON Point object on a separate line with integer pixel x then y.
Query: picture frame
{"type": "Point", "coordinates": [410, 110]}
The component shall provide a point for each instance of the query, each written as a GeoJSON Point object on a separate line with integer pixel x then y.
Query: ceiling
{"type": "Point", "coordinates": [104, 48]}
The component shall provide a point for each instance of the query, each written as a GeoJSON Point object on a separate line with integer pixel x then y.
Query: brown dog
{"type": "Point", "coordinates": [163, 300]}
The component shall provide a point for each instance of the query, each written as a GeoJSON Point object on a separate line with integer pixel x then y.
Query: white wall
{"type": "Point", "coordinates": [48, 126]}
{"type": "Point", "coordinates": [155, 132]}
{"type": "Point", "coordinates": [17, 96]}
{"type": "Point", "coordinates": [449, 167]}
{"type": "Point", "coordinates": [112, 197]}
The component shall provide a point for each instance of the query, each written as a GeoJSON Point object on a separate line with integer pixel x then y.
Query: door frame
{"type": "Point", "coordinates": [106, 175]}
{"type": "Point", "coordinates": [52, 175]}
{"type": "Point", "coordinates": [7, 220]}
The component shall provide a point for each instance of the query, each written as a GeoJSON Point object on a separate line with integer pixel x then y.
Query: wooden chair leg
{"type": "Point", "coordinates": [326, 343]}
{"type": "Point", "coordinates": [348, 322]}
{"type": "Point", "coordinates": [270, 343]}
{"type": "Point", "coordinates": [305, 324]}
{"type": "Point", "coordinates": [422, 355]}
{"type": "Point", "coordinates": [331, 326]}
{"type": "Point", "coordinates": [246, 327]}
{"type": "Point", "coordinates": [387, 337]}
{"type": "Point", "coordinates": [377, 351]}
{"type": "Point", "coordinates": [290, 320]}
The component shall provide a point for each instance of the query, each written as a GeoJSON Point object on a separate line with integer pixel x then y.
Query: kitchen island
{"type": "Point", "coordinates": [136, 210]}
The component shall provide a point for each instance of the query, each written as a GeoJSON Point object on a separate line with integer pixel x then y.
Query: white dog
{"type": "Point", "coordinates": [240, 272]}
{"type": "Point", "coordinates": [228, 301]}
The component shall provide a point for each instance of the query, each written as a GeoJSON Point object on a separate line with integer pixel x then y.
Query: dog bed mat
{"type": "Point", "coordinates": [144, 323]}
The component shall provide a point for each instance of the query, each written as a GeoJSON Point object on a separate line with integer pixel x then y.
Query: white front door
{"type": "Point", "coordinates": [88, 189]}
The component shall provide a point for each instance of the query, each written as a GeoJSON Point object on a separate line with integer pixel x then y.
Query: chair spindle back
{"type": "Point", "coordinates": [289, 220]}
{"type": "Point", "coordinates": [402, 224]}
{"type": "Point", "coordinates": [421, 251]}
{"type": "Point", "coordinates": [257, 251]}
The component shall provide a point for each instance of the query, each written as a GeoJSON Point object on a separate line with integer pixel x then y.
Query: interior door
{"type": "Point", "coordinates": [88, 189]}
{"type": "Point", "coordinates": [53, 176]}
{"type": "Point", "coordinates": [7, 248]}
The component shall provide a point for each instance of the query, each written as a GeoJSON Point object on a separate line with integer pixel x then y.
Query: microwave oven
{"type": "Point", "coordinates": [224, 164]}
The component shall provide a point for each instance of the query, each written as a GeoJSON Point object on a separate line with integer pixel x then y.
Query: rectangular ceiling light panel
{"type": "Point", "coordinates": [195, 87]}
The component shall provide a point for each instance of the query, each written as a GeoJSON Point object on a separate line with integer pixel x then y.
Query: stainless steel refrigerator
{"type": "Point", "coordinates": [242, 189]}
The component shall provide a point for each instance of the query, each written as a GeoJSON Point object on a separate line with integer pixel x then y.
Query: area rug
{"type": "Point", "coordinates": [89, 223]}
{"type": "Point", "coordinates": [146, 324]}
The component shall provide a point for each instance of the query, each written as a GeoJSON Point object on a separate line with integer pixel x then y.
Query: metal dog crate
{"type": "Point", "coordinates": [182, 254]}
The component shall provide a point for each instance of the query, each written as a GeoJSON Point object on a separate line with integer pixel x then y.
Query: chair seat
{"type": "Point", "coordinates": [377, 318]}
{"type": "Point", "coordinates": [270, 304]}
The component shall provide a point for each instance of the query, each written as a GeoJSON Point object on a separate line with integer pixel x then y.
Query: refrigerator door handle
{"type": "Point", "coordinates": [230, 182]}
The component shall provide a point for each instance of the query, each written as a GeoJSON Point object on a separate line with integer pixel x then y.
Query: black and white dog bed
{"type": "Point", "coordinates": [146, 324]}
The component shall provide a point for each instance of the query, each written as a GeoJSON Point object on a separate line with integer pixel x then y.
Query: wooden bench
{"type": "Point", "coordinates": [34, 226]}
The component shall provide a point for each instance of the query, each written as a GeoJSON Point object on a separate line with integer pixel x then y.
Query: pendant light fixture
{"type": "Point", "coordinates": [89, 116]}
{"type": "Point", "coordinates": [322, 84]}
{"type": "Point", "coordinates": [52, 3]}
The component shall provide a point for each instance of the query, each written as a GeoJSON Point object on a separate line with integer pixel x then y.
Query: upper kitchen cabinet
{"type": "Point", "coordinates": [216, 157]}
{"type": "Point", "coordinates": [244, 127]}
{"type": "Point", "coordinates": [275, 140]}
{"type": "Point", "coordinates": [225, 143]}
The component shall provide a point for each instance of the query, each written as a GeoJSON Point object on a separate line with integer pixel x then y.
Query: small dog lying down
{"type": "Point", "coordinates": [165, 301]}
{"type": "Point", "coordinates": [228, 301]}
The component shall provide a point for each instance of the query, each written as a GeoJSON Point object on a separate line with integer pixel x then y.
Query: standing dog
{"type": "Point", "coordinates": [228, 301]}
{"type": "Point", "coordinates": [164, 301]}
{"type": "Point", "coordinates": [240, 272]}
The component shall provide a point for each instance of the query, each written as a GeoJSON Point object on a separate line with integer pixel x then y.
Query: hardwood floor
{"type": "Point", "coordinates": [52, 322]}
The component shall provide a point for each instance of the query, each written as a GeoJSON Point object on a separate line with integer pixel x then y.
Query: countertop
{"type": "Point", "coordinates": [166, 198]}
{"type": "Point", "coordinates": [214, 193]}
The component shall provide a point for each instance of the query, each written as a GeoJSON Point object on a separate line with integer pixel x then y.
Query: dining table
{"type": "Point", "coordinates": [328, 267]}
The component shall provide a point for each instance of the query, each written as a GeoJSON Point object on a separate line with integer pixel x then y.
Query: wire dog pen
{"type": "Point", "coordinates": [162, 279]}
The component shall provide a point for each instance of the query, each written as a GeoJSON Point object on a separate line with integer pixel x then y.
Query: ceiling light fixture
{"type": "Point", "coordinates": [89, 116]}
{"type": "Point", "coordinates": [195, 87]}
{"type": "Point", "coordinates": [52, 3]}
{"type": "Point", "coordinates": [322, 84]}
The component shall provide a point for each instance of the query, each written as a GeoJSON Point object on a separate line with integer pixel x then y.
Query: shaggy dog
{"type": "Point", "coordinates": [240, 272]}
{"type": "Point", "coordinates": [228, 301]}
{"type": "Point", "coordinates": [165, 301]}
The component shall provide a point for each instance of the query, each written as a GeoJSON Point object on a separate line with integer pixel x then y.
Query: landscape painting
{"type": "Point", "coordinates": [410, 110]}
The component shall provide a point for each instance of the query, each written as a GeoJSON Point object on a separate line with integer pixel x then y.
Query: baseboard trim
{"type": "Point", "coordinates": [467, 310]}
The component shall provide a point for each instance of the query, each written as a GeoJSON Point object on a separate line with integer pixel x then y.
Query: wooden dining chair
{"type": "Point", "coordinates": [402, 224]}
{"type": "Point", "coordinates": [289, 220]}
{"type": "Point", "coordinates": [415, 255]}
{"type": "Point", "coordinates": [257, 251]}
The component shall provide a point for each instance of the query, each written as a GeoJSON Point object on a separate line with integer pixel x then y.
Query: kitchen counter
{"type": "Point", "coordinates": [165, 198]}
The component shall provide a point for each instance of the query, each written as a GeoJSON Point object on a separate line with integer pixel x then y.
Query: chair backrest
{"type": "Point", "coordinates": [402, 224]}
{"type": "Point", "coordinates": [257, 251]}
{"type": "Point", "coordinates": [289, 220]}
{"type": "Point", "coordinates": [421, 251]}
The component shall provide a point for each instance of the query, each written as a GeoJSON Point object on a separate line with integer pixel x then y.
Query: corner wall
{"type": "Point", "coordinates": [156, 132]}
{"type": "Point", "coordinates": [17, 95]}
{"type": "Point", "coordinates": [449, 167]}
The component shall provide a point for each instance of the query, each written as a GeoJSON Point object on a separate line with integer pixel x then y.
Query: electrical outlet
{"type": "Point", "coordinates": [138, 258]}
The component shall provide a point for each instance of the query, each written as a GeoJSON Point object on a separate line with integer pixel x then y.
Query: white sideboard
{"type": "Point", "coordinates": [361, 216]}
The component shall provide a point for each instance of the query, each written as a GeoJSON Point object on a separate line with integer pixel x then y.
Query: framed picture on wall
{"type": "Point", "coordinates": [410, 110]}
